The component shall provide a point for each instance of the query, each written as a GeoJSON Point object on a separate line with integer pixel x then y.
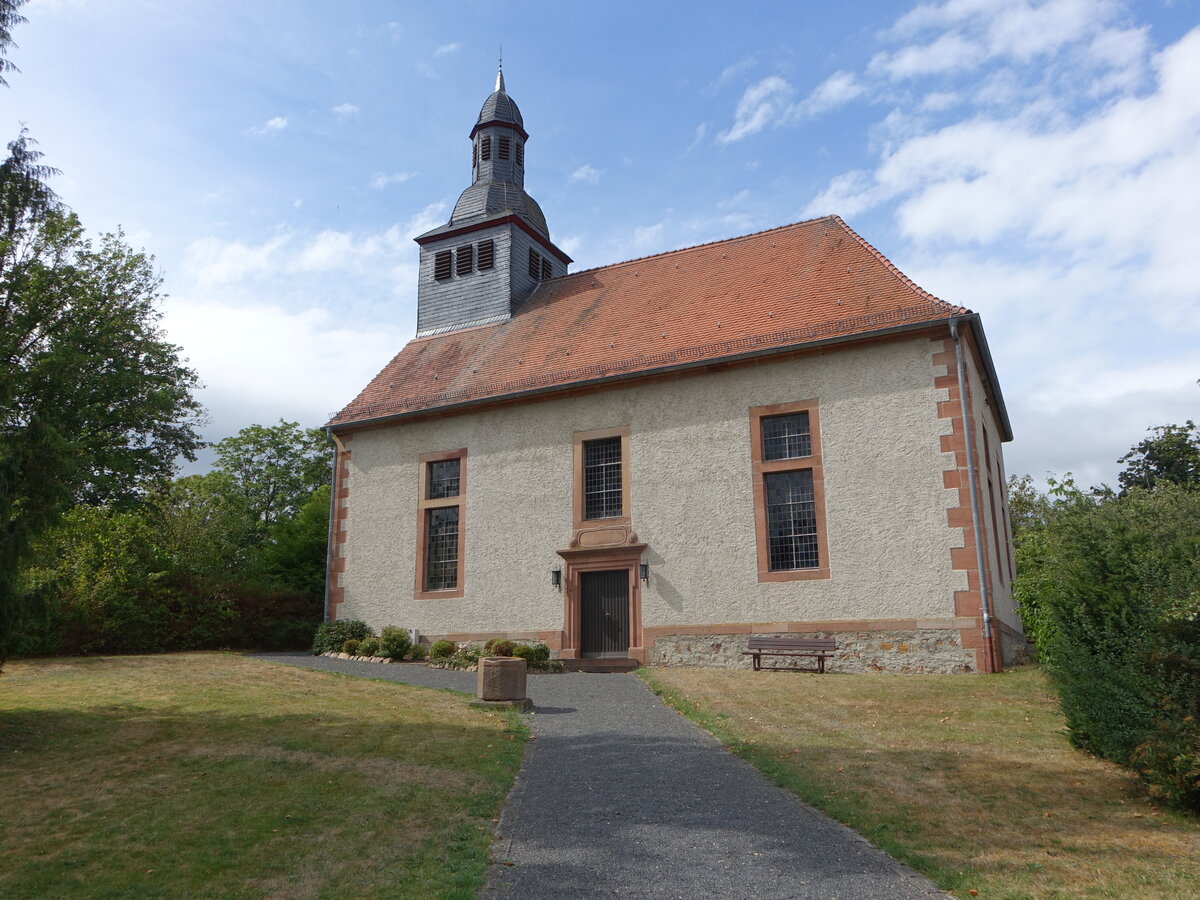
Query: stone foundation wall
{"type": "Point", "coordinates": [920, 652]}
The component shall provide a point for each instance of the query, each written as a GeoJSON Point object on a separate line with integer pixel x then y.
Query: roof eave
{"type": "Point", "coordinates": [617, 378]}
{"type": "Point", "coordinates": [989, 369]}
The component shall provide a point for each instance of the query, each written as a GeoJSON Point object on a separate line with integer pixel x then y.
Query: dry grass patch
{"type": "Point", "coordinates": [213, 775]}
{"type": "Point", "coordinates": [968, 779]}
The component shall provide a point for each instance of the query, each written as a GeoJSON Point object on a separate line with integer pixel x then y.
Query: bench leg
{"type": "Point", "coordinates": [757, 661]}
{"type": "Point", "coordinates": [820, 665]}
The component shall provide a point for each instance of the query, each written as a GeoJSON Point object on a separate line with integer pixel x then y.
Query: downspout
{"type": "Point", "coordinates": [333, 492]}
{"type": "Point", "coordinates": [973, 486]}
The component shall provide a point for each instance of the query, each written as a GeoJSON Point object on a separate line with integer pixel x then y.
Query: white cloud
{"type": "Point", "coordinates": [763, 103]}
{"type": "Point", "coordinates": [271, 126]}
{"type": "Point", "coordinates": [345, 110]}
{"type": "Point", "coordinates": [317, 364]}
{"type": "Point", "coordinates": [949, 53]}
{"type": "Point", "coordinates": [586, 174]}
{"type": "Point", "coordinates": [837, 90]}
{"type": "Point", "coordinates": [701, 134]}
{"type": "Point", "coordinates": [382, 180]}
{"type": "Point", "coordinates": [447, 48]}
{"type": "Point", "coordinates": [1051, 186]}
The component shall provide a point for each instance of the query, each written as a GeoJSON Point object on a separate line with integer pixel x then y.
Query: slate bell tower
{"type": "Point", "coordinates": [479, 266]}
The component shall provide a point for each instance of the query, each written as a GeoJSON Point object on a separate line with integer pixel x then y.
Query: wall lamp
{"type": "Point", "coordinates": [556, 578]}
{"type": "Point", "coordinates": [644, 572]}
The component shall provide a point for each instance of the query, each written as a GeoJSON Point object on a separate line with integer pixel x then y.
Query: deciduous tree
{"type": "Point", "coordinates": [95, 404]}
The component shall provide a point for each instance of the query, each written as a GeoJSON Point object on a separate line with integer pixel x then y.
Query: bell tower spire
{"type": "Point", "coordinates": [478, 268]}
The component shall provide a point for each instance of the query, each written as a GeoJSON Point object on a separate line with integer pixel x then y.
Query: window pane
{"type": "Point", "coordinates": [786, 437]}
{"type": "Point", "coordinates": [602, 478]}
{"type": "Point", "coordinates": [443, 478]}
{"type": "Point", "coordinates": [791, 520]}
{"type": "Point", "coordinates": [441, 549]}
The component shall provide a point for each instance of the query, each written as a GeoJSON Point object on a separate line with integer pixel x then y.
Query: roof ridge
{"type": "Point", "coordinates": [891, 266]}
{"type": "Point", "coordinates": [729, 240]}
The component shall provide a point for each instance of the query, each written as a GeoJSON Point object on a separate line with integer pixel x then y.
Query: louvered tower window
{"type": "Point", "coordinates": [441, 265]}
{"type": "Point", "coordinates": [505, 147]}
{"type": "Point", "coordinates": [520, 153]}
{"type": "Point", "coordinates": [485, 147]}
{"type": "Point", "coordinates": [547, 270]}
{"type": "Point", "coordinates": [463, 259]}
{"type": "Point", "coordinates": [535, 264]}
{"type": "Point", "coordinates": [487, 255]}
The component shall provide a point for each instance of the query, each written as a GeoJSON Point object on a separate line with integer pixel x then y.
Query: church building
{"type": "Point", "coordinates": [776, 434]}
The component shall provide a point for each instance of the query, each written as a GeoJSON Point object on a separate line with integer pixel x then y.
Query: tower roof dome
{"type": "Point", "coordinates": [499, 107]}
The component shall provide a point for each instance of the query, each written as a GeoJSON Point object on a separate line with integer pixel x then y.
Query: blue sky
{"type": "Point", "coordinates": [1038, 162]}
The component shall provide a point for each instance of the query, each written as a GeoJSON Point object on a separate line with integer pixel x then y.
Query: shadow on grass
{"type": "Point", "coordinates": [133, 800]}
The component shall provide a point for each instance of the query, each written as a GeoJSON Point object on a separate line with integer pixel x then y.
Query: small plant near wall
{"type": "Point", "coordinates": [331, 636]}
{"type": "Point", "coordinates": [369, 647]}
{"type": "Point", "coordinates": [351, 646]}
{"type": "Point", "coordinates": [442, 650]}
{"type": "Point", "coordinates": [394, 642]}
{"type": "Point", "coordinates": [502, 648]}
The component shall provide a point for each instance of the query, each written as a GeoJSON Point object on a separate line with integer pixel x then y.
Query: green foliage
{"type": "Point", "coordinates": [9, 17]}
{"type": "Point", "coordinates": [95, 405]}
{"type": "Point", "coordinates": [351, 646]}
{"type": "Point", "coordinates": [276, 468]}
{"type": "Point", "coordinates": [294, 559]}
{"type": "Point", "coordinates": [523, 651]}
{"type": "Point", "coordinates": [1109, 588]}
{"type": "Point", "coordinates": [418, 652]}
{"type": "Point", "coordinates": [1172, 454]}
{"type": "Point", "coordinates": [369, 647]}
{"type": "Point", "coordinates": [532, 653]}
{"type": "Point", "coordinates": [502, 648]}
{"type": "Point", "coordinates": [442, 649]}
{"type": "Point", "coordinates": [331, 635]}
{"type": "Point", "coordinates": [394, 642]}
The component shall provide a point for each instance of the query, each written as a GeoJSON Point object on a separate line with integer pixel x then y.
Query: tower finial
{"type": "Point", "coordinates": [500, 71]}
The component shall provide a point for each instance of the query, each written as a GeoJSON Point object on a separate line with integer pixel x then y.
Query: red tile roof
{"type": "Point", "coordinates": [776, 289]}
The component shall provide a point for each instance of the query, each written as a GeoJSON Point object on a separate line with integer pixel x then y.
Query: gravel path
{"type": "Point", "coordinates": [619, 795]}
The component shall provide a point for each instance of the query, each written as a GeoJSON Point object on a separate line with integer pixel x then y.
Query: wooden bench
{"type": "Point", "coordinates": [819, 649]}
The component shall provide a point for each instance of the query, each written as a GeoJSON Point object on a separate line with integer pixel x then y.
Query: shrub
{"type": "Point", "coordinates": [489, 645]}
{"type": "Point", "coordinates": [418, 652]}
{"type": "Point", "coordinates": [523, 651]}
{"type": "Point", "coordinates": [501, 648]}
{"type": "Point", "coordinates": [442, 649]}
{"type": "Point", "coordinates": [1116, 586]}
{"type": "Point", "coordinates": [369, 647]}
{"type": "Point", "coordinates": [394, 642]}
{"type": "Point", "coordinates": [351, 646]}
{"type": "Point", "coordinates": [331, 635]}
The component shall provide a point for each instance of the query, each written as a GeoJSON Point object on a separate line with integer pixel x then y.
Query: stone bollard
{"type": "Point", "coordinates": [500, 681]}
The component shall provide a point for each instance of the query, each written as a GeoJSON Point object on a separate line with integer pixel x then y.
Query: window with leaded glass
{"type": "Point", "coordinates": [602, 478]}
{"type": "Point", "coordinates": [441, 548]}
{"type": "Point", "coordinates": [791, 520]}
{"type": "Point", "coordinates": [441, 508]}
{"type": "Point", "coordinates": [789, 493]}
{"type": "Point", "coordinates": [443, 478]}
{"type": "Point", "coordinates": [786, 437]}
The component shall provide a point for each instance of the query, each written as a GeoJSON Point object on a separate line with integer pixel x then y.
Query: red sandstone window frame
{"type": "Point", "coordinates": [578, 440]}
{"type": "Point", "coordinates": [760, 468]}
{"type": "Point", "coordinates": [426, 503]}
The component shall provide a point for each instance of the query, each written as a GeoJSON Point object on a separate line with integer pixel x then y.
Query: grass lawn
{"type": "Point", "coordinates": [214, 775]}
{"type": "Point", "coordinates": [968, 779]}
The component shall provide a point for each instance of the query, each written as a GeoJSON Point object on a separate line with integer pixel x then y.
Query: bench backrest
{"type": "Point", "coordinates": [814, 645]}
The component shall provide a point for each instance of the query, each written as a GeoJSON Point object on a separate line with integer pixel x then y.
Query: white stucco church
{"type": "Point", "coordinates": [774, 434]}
